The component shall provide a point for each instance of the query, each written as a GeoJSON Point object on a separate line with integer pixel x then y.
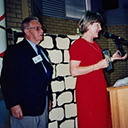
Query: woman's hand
{"type": "Point", "coordinates": [116, 56]}
{"type": "Point", "coordinates": [102, 64]}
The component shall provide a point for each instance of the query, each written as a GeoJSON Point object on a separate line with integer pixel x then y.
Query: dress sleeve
{"type": "Point", "coordinates": [76, 51]}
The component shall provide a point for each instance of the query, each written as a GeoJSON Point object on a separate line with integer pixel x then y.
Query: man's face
{"type": "Point", "coordinates": [35, 32]}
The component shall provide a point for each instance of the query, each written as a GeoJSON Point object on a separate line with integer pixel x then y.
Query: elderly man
{"type": "Point", "coordinates": [25, 78]}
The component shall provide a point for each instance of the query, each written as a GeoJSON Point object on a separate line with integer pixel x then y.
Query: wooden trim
{"type": "Point", "coordinates": [116, 88]}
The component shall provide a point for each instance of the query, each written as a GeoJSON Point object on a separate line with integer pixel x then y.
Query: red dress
{"type": "Point", "coordinates": [93, 108]}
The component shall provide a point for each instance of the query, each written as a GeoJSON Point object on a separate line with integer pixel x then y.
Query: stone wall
{"type": "Point", "coordinates": [64, 112]}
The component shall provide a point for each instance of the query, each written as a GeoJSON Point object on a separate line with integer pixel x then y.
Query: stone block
{"type": "Point", "coordinates": [57, 86]}
{"type": "Point", "coordinates": [66, 56]}
{"type": "Point", "coordinates": [53, 125]}
{"type": "Point", "coordinates": [76, 122]}
{"type": "Point", "coordinates": [62, 43]}
{"type": "Point", "coordinates": [74, 95]}
{"type": "Point", "coordinates": [70, 82]}
{"type": "Point", "coordinates": [67, 124]}
{"type": "Point", "coordinates": [70, 110]}
{"type": "Point", "coordinates": [65, 97]}
{"type": "Point", "coordinates": [47, 42]}
{"type": "Point", "coordinates": [63, 69]}
{"type": "Point", "coordinates": [54, 72]}
{"type": "Point", "coordinates": [56, 114]}
{"type": "Point", "coordinates": [74, 37]}
{"type": "Point", "coordinates": [19, 39]}
{"type": "Point", "coordinates": [55, 56]}
{"type": "Point", "coordinates": [54, 100]}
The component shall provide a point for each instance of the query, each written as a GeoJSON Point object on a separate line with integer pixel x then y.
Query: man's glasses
{"type": "Point", "coordinates": [37, 28]}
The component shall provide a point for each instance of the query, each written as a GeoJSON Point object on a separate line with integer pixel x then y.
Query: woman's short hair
{"type": "Point", "coordinates": [26, 21]}
{"type": "Point", "coordinates": [89, 18]}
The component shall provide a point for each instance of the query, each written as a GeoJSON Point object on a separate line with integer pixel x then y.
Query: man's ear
{"type": "Point", "coordinates": [26, 31]}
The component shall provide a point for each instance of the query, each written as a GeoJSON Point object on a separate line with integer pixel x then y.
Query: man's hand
{"type": "Point", "coordinates": [17, 112]}
{"type": "Point", "coordinates": [50, 105]}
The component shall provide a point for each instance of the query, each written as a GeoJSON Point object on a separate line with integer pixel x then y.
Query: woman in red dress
{"type": "Point", "coordinates": [87, 63]}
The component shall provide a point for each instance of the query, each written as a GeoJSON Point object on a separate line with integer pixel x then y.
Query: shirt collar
{"type": "Point", "coordinates": [33, 45]}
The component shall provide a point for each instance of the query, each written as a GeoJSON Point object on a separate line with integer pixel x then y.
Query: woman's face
{"type": "Point", "coordinates": [94, 29]}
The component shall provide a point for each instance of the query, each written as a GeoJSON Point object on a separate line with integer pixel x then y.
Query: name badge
{"type": "Point", "coordinates": [37, 59]}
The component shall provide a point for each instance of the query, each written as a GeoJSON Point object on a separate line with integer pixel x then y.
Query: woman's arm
{"type": "Point", "coordinates": [77, 70]}
{"type": "Point", "coordinates": [116, 56]}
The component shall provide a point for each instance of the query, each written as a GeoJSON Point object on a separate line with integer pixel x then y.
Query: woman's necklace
{"type": "Point", "coordinates": [94, 47]}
